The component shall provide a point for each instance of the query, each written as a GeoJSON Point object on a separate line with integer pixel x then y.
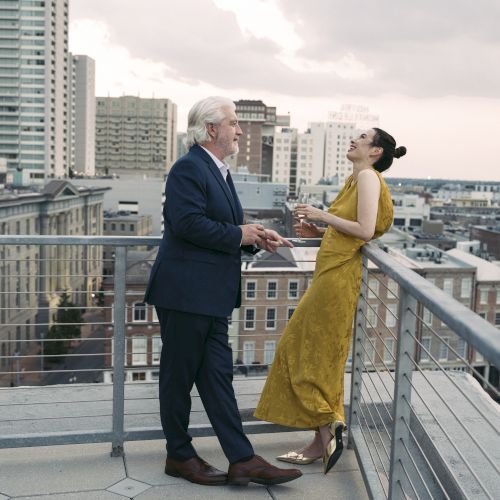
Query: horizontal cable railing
{"type": "Point", "coordinates": [421, 425]}
{"type": "Point", "coordinates": [120, 318]}
{"type": "Point", "coordinates": [416, 387]}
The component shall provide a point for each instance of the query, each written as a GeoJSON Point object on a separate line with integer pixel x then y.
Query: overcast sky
{"type": "Point", "coordinates": [429, 68]}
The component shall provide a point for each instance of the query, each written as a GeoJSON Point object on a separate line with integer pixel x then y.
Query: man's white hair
{"type": "Point", "coordinates": [208, 110]}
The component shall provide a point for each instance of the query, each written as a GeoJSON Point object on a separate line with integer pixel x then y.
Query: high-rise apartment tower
{"type": "Point", "coordinates": [135, 135]}
{"type": "Point", "coordinates": [34, 89]}
{"type": "Point", "coordinates": [82, 115]}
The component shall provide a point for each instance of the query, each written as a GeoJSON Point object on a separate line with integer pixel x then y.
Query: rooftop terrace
{"type": "Point", "coordinates": [87, 472]}
{"type": "Point", "coordinates": [418, 427]}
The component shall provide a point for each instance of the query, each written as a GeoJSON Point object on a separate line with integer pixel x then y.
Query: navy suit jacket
{"type": "Point", "coordinates": [198, 266]}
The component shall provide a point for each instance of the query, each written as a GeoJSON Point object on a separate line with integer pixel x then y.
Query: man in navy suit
{"type": "Point", "coordinates": [194, 285]}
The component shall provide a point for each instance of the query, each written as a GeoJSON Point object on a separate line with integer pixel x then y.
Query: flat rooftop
{"type": "Point", "coordinates": [88, 472]}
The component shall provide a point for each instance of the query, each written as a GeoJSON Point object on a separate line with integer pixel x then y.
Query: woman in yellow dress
{"type": "Point", "coordinates": [305, 386]}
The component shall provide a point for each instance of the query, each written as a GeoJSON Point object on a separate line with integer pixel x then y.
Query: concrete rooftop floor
{"type": "Point", "coordinates": [88, 472]}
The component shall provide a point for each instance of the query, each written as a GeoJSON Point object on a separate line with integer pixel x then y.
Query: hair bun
{"type": "Point", "coordinates": [399, 152]}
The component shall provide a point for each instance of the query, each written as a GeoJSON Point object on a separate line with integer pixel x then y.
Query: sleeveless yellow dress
{"type": "Point", "coordinates": [305, 385]}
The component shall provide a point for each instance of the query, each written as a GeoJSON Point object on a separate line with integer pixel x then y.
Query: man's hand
{"type": "Point", "coordinates": [252, 234]}
{"type": "Point", "coordinates": [272, 241]}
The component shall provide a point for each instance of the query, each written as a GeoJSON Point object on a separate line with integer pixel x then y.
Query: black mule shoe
{"type": "Point", "coordinates": [334, 447]}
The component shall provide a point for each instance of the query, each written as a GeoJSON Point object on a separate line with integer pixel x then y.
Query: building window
{"type": "Point", "coordinates": [443, 349]}
{"type": "Point", "coordinates": [251, 287]}
{"type": "Point", "coordinates": [483, 296]}
{"type": "Point", "coordinates": [465, 289]}
{"type": "Point", "coordinates": [393, 288]}
{"type": "Point", "coordinates": [138, 376]}
{"type": "Point", "coordinates": [425, 348]}
{"type": "Point", "coordinates": [269, 350]}
{"type": "Point", "coordinates": [250, 318]}
{"type": "Point", "coordinates": [390, 319]}
{"type": "Point", "coordinates": [448, 286]}
{"type": "Point", "coordinates": [461, 347]}
{"type": "Point", "coordinates": [373, 285]}
{"type": "Point", "coordinates": [139, 350]}
{"type": "Point", "coordinates": [293, 289]}
{"type": "Point", "coordinates": [271, 318]}
{"type": "Point", "coordinates": [290, 312]}
{"type": "Point", "coordinates": [389, 350]}
{"type": "Point", "coordinates": [427, 317]}
{"type": "Point", "coordinates": [248, 352]}
{"type": "Point", "coordinates": [139, 312]}
{"type": "Point", "coordinates": [369, 351]}
{"type": "Point", "coordinates": [272, 289]}
{"type": "Point", "coordinates": [497, 319]}
{"type": "Point", "coordinates": [155, 349]}
{"type": "Point", "coordinates": [371, 315]}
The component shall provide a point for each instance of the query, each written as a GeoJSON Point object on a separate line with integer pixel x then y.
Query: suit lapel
{"type": "Point", "coordinates": [239, 209]}
{"type": "Point", "coordinates": [231, 196]}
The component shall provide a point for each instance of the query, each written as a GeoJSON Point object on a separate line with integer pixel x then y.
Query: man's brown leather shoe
{"type": "Point", "coordinates": [195, 470]}
{"type": "Point", "coordinates": [257, 470]}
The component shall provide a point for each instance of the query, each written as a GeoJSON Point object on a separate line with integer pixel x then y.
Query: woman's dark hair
{"type": "Point", "coordinates": [385, 141]}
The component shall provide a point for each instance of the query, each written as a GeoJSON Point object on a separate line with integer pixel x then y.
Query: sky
{"type": "Point", "coordinates": [429, 68]}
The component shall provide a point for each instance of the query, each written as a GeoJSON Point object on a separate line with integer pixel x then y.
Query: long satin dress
{"type": "Point", "coordinates": [305, 386]}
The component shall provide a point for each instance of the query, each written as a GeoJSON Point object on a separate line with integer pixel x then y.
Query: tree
{"type": "Point", "coordinates": [99, 297]}
{"type": "Point", "coordinates": [66, 328]}
{"type": "Point", "coordinates": [55, 348]}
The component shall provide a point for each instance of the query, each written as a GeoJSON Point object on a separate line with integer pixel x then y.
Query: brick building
{"type": "Point", "coordinates": [142, 329]}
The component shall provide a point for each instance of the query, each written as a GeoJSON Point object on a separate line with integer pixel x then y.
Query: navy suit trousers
{"type": "Point", "coordinates": [196, 351]}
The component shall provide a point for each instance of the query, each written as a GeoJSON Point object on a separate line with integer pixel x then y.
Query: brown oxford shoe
{"type": "Point", "coordinates": [257, 470]}
{"type": "Point", "coordinates": [195, 470]}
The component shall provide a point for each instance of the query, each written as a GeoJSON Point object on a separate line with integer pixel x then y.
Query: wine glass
{"type": "Point", "coordinates": [302, 199]}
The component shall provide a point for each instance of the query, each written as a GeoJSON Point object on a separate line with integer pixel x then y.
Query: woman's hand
{"type": "Point", "coordinates": [309, 212]}
{"type": "Point", "coordinates": [307, 230]}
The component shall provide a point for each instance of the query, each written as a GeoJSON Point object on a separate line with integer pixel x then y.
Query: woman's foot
{"type": "Point", "coordinates": [305, 455]}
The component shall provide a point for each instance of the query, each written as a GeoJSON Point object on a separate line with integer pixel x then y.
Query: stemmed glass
{"type": "Point", "coordinates": [302, 199]}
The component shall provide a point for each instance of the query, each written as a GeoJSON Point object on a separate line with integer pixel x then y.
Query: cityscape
{"type": "Point", "coordinates": [82, 184]}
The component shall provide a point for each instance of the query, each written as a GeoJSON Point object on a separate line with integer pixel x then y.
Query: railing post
{"type": "Point", "coordinates": [402, 391]}
{"type": "Point", "coordinates": [119, 352]}
{"type": "Point", "coordinates": [357, 353]}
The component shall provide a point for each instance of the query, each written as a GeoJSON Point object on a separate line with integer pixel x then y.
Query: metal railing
{"type": "Point", "coordinates": [121, 411]}
{"type": "Point", "coordinates": [420, 423]}
{"type": "Point", "coordinates": [412, 437]}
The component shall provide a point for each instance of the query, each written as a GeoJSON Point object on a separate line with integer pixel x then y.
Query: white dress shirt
{"type": "Point", "coordinates": [222, 165]}
{"type": "Point", "coordinates": [224, 168]}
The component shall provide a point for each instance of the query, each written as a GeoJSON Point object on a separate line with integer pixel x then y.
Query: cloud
{"type": "Point", "coordinates": [428, 68]}
{"type": "Point", "coordinates": [423, 48]}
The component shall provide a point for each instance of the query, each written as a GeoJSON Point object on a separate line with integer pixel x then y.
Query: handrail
{"type": "Point", "coordinates": [463, 321]}
{"type": "Point", "coordinates": [111, 240]}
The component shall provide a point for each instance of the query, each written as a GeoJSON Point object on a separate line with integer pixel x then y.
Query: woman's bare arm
{"type": "Point", "coordinates": [368, 196]}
